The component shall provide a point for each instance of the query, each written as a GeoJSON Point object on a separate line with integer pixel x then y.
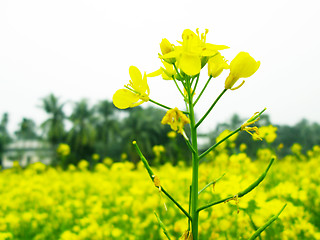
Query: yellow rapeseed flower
{"type": "Point", "coordinates": [171, 134]}
{"type": "Point", "coordinates": [158, 149]}
{"type": "Point", "coordinates": [193, 48]}
{"type": "Point", "coordinates": [83, 164]}
{"type": "Point", "coordinates": [136, 92]}
{"type": "Point", "coordinates": [253, 131]}
{"type": "Point", "coordinates": [242, 66]}
{"type": "Point", "coordinates": [167, 72]}
{"type": "Point", "coordinates": [63, 149]}
{"type": "Point", "coordinates": [268, 133]}
{"type": "Point", "coordinates": [95, 157]}
{"type": "Point", "coordinates": [176, 119]}
{"type": "Point", "coordinates": [166, 47]}
{"type": "Point", "coordinates": [216, 64]}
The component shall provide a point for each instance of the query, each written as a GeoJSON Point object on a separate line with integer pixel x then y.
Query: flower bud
{"type": "Point", "coordinates": [166, 47]}
{"type": "Point", "coordinates": [242, 66]}
{"type": "Point", "coordinates": [216, 64]}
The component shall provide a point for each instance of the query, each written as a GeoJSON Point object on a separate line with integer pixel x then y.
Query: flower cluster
{"type": "Point", "coordinates": [189, 56]}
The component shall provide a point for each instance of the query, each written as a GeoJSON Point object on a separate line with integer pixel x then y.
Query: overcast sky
{"type": "Point", "coordinates": [83, 49]}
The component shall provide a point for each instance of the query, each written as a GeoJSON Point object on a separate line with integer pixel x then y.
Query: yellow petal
{"type": "Point", "coordinates": [155, 73]}
{"type": "Point", "coordinates": [215, 47]}
{"type": "Point", "coordinates": [230, 81]}
{"type": "Point", "coordinates": [172, 54]}
{"type": "Point", "coordinates": [138, 83]}
{"type": "Point", "coordinates": [135, 74]}
{"type": "Point", "coordinates": [212, 49]}
{"type": "Point", "coordinates": [124, 98]}
{"type": "Point", "coordinates": [165, 46]}
{"type": "Point", "coordinates": [190, 64]}
{"type": "Point", "coordinates": [243, 65]}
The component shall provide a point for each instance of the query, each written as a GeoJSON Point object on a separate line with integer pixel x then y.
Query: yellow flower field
{"type": "Point", "coordinates": [118, 201]}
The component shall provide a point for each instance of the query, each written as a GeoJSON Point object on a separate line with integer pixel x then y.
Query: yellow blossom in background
{"type": "Point", "coordinates": [6, 236]}
{"type": "Point", "coordinates": [242, 66]}
{"type": "Point", "coordinates": [158, 149]}
{"type": "Point", "coordinates": [107, 161]}
{"type": "Point", "coordinates": [229, 141]}
{"type": "Point", "coordinates": [95, 157]}
{"type": "Point", "coordinates": [264, 154]}
{"type": "Point", "coordinates": [172, 134]}
{"type": "Point", "coordinates": [63, 149]}
{"type": "Point", "coordinates": [296, 148]}
{"type": "Point", "coordinates": [268, 133]}
{"type": "Point", "coordinates": [136, 92]}
{"type": "Point", "coordinates": [16, 164]}
{"type": "Point", "coordinates": [106, 204]}
{"type": "Point", "coordinates": [38, 167]}
{"type": "Point", "coordinates": [216, 65]}
{"type": "Point", "coordinates": [83, 164]}
{"type": "Point", "coordinates": [193, 48]}
{"type": "Point", "coordinates": [72, 168]}
{"type": "Point", "coordinates": [124, 156]}
{"type": "Point", "coordinates": [280, 146]}
{"type": "Point", "coordinates": [176, 119]}
{"type": "Point", "coordinates": [243, 147]}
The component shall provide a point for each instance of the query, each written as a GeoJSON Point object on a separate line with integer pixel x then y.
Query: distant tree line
{"type": "Point", "coordinates": [109, 132]}
{"type": "Point", "coordinates": [101, 129]}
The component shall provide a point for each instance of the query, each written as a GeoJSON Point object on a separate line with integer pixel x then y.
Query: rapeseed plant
{"type": "Point", "coordinates": [182, 64]}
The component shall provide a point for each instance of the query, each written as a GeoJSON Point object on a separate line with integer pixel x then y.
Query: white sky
{"type": "Point", "coordinates": [83, 49]}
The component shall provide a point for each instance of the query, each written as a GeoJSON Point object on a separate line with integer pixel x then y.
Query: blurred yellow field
{"type": "Point", "coordinates": [117, 201]}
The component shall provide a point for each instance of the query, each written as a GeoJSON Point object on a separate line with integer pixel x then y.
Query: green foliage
{"type": "Point", "coordinates": [27, 130]}
{"type": "Point", "coordinates": [54, 126]}
{"type": "Point", "coordinates": [108, 131]}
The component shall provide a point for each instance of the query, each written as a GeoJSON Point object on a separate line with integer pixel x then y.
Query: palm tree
{"type": "Point", "coordinates": [145, 127]}
{"type": "Point", "coordinates": [54, 125]}
{"type": "Point", "coordinates": [27, 130]}
{"type": "Point", "coordinates": [82, 136]}
{"type": "Point", "coordinates": [108, 129]}
{"type": "Point", "coordinates": [4, 135]}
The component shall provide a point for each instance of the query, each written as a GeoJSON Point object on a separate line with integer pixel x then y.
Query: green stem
{"type": "Point", "coordinates": [218, 143]}
{"type": "Point", "coordinates": [176, 203]}
{"type": "Point", "coordinates": [152, 176]}
{"type": "Point", "coordinates": [175, 67]}
{"type": "Point", "coordinates": [162, 226]}
{"type": "Point", "coordinates": [189, 144]}
{"type": "Point", "coordinates": [195, 85]}
{"type": "Point", "coordinates": [213, 182]}
{"type": "Point", "coordinates": [254, 226]}
{"type": "Point", "coordinates": [209, 110]}
{"type": "Point", "coordinates": [195, 167]}
{"type": "Point", "coordinates": [189, 207]}
{"type": "Point", "coordinates": [175, 81]}
{"type": "Point", "coordinates": [164, 106]}
{"type": "Point", "coordinates": [232, 133]}
{"type": "Point", "coordinates": [271, 220]}
{"type": "Point", "coordinates": [204, 88]}
{"type": "Point", "coordinates": [242, 193]}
